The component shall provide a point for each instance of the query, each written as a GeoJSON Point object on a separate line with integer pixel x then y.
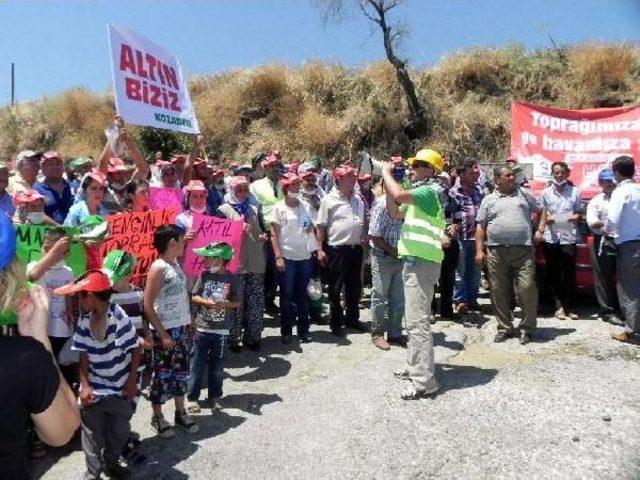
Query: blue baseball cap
{"type": "Point", "coordinates": [7, 240]}
{"type": "Point", "coordinates": [606, 175]}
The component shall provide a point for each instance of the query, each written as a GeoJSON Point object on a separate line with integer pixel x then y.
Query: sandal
{"type": "Point", "coordinates": [560, 315]}
{"type": "Point", "coordinates": [193, 408]}
{"type": "Point", "coordinates": [573, 316]}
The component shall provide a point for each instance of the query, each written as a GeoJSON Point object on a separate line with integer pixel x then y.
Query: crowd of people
{"type": "Point", "coordinates": [421, 225]}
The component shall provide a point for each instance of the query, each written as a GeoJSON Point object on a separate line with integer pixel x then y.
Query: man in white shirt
{"type": "Point", "coordinates": [341, 224]}
{"type": "Point", "coordinates": [624, 217]}
{"type": "Point", "coordinates": [604, 251]}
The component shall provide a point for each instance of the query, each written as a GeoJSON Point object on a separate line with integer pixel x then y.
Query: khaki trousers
{"type": "Point", "coordinates": [419, 279]}
{"type": "Point", "coordinates": [508, 264]}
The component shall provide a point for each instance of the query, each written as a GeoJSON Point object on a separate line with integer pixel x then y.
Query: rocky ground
{"type": "Point", "coordinates": [566, 406]}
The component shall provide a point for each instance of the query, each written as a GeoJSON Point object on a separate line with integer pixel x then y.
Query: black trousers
{"type": "Point", "coordinates": [604, 256]}
{"type": "Point", "coordinates": [447, 280]}
{"type": "Point", "coordinates": [560, 272]}
{"type": "Point", "coordinates": [343, 271]}
{"type": "Point", "coordinates": [270, 274]}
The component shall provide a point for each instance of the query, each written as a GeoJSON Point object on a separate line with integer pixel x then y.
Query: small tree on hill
{"type": "Point", "coordinates": [377, 11]}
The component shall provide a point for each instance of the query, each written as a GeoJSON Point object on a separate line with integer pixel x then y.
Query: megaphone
{"type": "Point", "coordinates": [368, 164]}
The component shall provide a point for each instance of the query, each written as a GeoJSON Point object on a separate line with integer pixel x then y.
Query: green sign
{"type": "Point", "coordinates": [29, 248]}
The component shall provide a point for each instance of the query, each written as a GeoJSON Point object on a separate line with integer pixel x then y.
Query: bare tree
{"type": "Point", "coordinates": [377, 11]}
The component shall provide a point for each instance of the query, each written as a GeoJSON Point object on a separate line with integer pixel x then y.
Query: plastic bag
{"type": "Point", "coordinates": [68, 356]}
{"type": "Point", "coordinates": [314, 289]}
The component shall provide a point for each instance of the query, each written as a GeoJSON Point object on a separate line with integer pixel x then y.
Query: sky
{"type": "Point", "coordinates": [57, 45]}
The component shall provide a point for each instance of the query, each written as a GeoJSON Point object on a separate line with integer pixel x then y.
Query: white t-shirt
{"type": "Point", "coordinates": [172, 303]}
{"type": "Point", "coordinates": [55, 277]}
{"type": "Point", "coordinates": [294, 235]}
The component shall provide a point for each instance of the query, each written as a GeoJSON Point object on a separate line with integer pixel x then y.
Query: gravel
{"type": "Point", "coordinates": [331, 409]}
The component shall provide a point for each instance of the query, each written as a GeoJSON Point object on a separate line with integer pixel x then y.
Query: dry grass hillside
{"type": "Point", "coordinates": [335, 111]}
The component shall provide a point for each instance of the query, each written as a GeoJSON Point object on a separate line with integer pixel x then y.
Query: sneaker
{"type": "Point", "coordinates": [412, 393]}
{"type": "Point", "coordinates": [162, 427]}
{"type": "Point", "coordinates": [184, 420]}
{"type": "Point", "coordinates": [400, 341]}
{"type": "Point", "coordinates": [525, 338]}
{"type": "Point", "coordinates": [117, 470]}
{"type": "Point", "coordinates": [501, 336]}
{"type": "Point", "coordinates": [613, 319]}
{"type": "Point", "coordinates": [380, 342]}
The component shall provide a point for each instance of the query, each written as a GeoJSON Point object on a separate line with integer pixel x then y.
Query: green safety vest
{"type": "Point", "coordinates": [263, 191]}
{"type": "Point", "coordinates": [421, 235]}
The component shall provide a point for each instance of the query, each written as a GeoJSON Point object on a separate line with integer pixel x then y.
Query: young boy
{"type": "Point", "coordinates": [215, 292]}
{"type": "Point", "coordinates": [51, 272]}
{"type": "Point", "coordinates": [119, 266]}
{"type": "Point", "coordinates": [109, 358]}
{"type": "Point", "coordinates": [166, 308]}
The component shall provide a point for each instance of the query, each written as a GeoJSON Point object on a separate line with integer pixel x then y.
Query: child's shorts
{"type": "Point", "coordinates": [170, 368]}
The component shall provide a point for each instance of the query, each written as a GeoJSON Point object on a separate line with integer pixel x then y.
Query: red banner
{"type": "Point", "coordinates": [587, 140]}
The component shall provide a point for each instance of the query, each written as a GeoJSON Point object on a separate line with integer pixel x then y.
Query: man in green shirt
{"type": "Point", "coordinates": [420, 246]}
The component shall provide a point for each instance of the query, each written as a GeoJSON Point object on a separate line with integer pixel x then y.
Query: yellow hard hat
{"type": "Point", "coordinates": [429, 156]}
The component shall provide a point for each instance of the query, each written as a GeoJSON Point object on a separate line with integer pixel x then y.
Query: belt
{"type": "Point", "coordinates": [345, 247]}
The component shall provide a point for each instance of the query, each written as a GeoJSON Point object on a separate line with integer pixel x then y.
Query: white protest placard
{"type": "Point", "coordinates": [149, 86]}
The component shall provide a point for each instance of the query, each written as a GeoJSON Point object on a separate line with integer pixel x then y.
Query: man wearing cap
{"type": "Point", "coordinates": [27, 166]}
{"type": "Point", "coordinates": [604, 250]}
{"type": "Point", "coordinates": [420, 246]}
{"type": "Point", "coordinates": [623, 216]}
{"type": "Point", "coordinates": [341, 229]}
{"type": "Point", "coordinates": [268, 193]}
{"type": "Point", "coordinates": [58, 197]}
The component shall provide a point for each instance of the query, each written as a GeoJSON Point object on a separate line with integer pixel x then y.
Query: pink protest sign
{"type": "Point", "coordinates": [212, 229]}
{"type": "Point", "coordinates": [165, 198]}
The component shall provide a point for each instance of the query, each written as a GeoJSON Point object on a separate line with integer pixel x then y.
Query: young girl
{"type": "Point", "coordinates": [215, 292]}
{"type": "Point", "coordinates": [166, 307]}
{"type": "Point", "coordinates": [136, 195]}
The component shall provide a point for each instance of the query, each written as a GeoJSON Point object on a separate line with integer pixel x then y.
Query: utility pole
{"type": "Point", "coordinates": [13, 84]}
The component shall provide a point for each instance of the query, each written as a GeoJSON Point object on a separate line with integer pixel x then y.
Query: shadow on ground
{"type": "Point", "coordinates": [456, 377]}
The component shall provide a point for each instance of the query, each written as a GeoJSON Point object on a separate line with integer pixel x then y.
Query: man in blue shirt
{"type": "Point", "coordinates": [624, 217]}
{"type": "Point", "coordinates": [57, 191]}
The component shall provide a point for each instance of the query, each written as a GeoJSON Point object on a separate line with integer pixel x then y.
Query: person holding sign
{"type": "Point", "coordinates": [251, 274]}
{"type": "Point", "coordinates": [118, 173]}
{"type": "Point", "coordinates": [293, 242]}
{"type": "Point", "coordinates": [562, 208]}
{"type": "Point", "coordinates": [136, 195]}
{"type": "Point", "coordinates": [166, 307]}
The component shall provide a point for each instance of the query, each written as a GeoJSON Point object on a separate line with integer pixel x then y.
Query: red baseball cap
{"type": "Point", "coordinates": [91, 281]}
{"type": "Point", "coordinates": [117, 165]}
{"type": "Point", "coordinates": [27, 196]}
{"type": "Point", "coordinates": [343, 171]}
{"type": "Point", "coordinates": [289, 179]}
{"type": "Point", "coordinates": [196, 186]}
{"type": "Point", "coordinates": [50, 156]}
{"type": "Point", "coordinates": [271, 161]}
{"type": "Point", "coordinates": [364, 178]}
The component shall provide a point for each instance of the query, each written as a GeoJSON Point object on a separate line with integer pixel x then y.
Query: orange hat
{"type": "Point", "coordinates": [116, 165]}
{"type": "Point", "coordinates": [343, 171]}
{"type": "Point", "coordinates": [218, 173]}
{"type": "Point", "coordinates": [27, 196]}
{"type": "Point", "coordinates": [196, 186]}
{"type": "Point", "coordinates": [288, 179]}
{"type": "Point", "coordinates": [98, 176]}
{"type": "Point", "coordinates": [199, 161]}
{"type": "Point", "coordinates": [91, 281]}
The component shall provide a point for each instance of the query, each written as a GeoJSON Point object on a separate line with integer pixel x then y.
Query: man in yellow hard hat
{"type": "Point", "coordinates": [420, 246]}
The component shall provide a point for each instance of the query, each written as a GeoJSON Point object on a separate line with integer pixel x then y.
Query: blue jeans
{"type": "Point", "coordinates": [467, 274]}
{"type": "Point", "coordinates": [387, 296]}
{"type": "Point", "coordinates": [208, 348]}
{"type": "Point", "coordinates": [293, 291]}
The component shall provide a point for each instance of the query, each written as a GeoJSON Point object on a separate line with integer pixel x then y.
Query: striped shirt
{"type": "Point", "coordinates": [131, 303]}
{"type": "Point", "coordinates": [110, 358]}
{"type": "Point", "coordinates": [383, 226]}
